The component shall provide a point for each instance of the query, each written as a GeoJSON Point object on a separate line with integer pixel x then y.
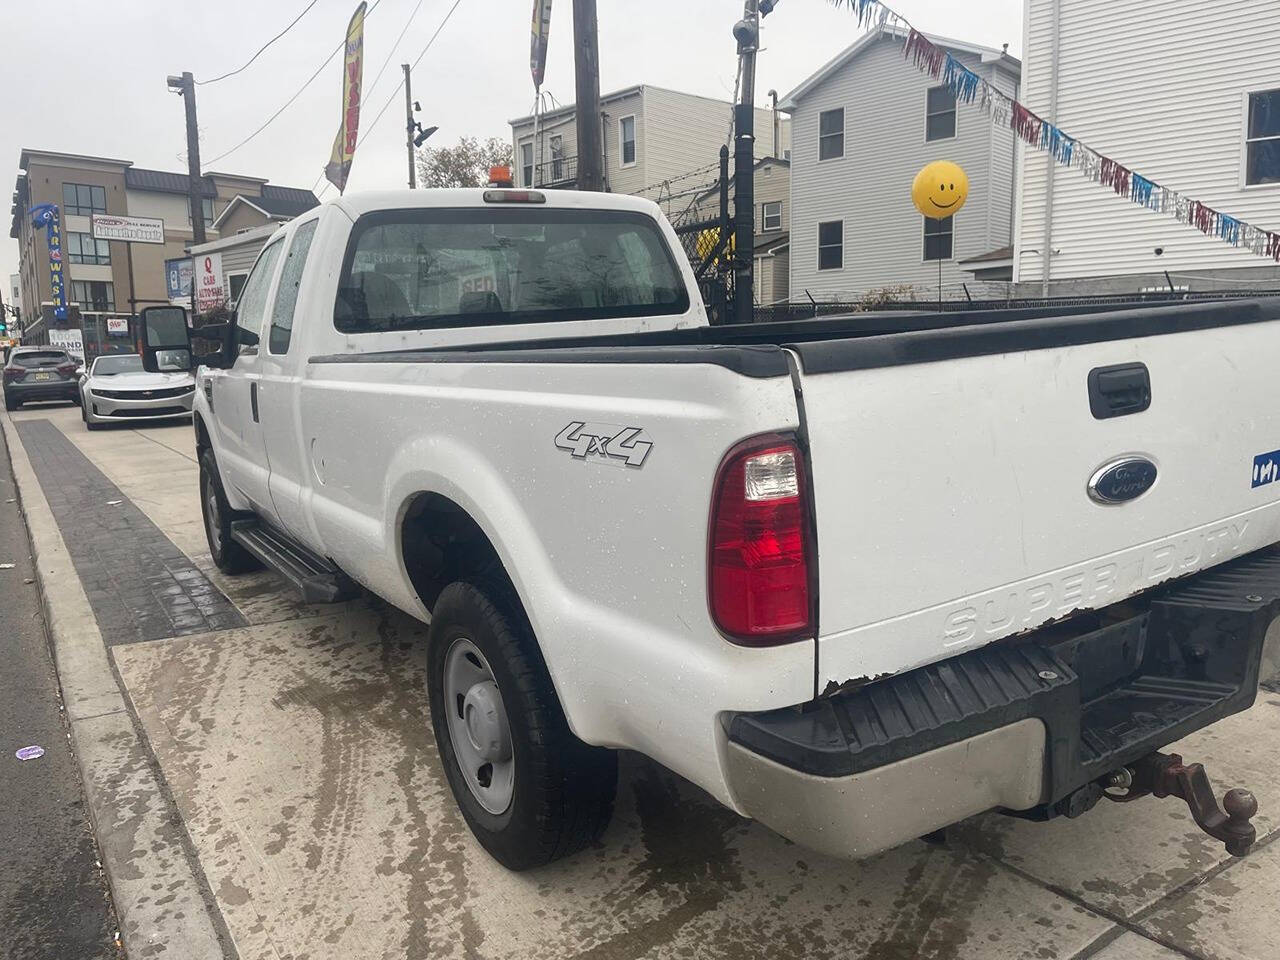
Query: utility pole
{"type": "Point", "coordinates": [747, 32]}
{"type": "Point", "coordinates": [186, 86]}
{"type": "Point", "coordinates": [408, 124]}
{"type": "Point", "coordinates": [587, 82]}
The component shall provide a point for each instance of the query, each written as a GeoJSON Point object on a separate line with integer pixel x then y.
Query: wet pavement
{"type": "Point", "coordinates": [296, 747]}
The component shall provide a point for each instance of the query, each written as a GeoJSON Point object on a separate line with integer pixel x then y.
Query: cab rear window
{"type": "Point", "coordinates": [39, 358]}
{"type": "Point", "coordinates": [424, 269]}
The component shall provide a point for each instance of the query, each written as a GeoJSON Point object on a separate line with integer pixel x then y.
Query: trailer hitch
{"type": "Point", "coordinates": [1165, 775]}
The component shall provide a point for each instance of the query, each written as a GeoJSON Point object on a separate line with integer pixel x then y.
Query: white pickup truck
{"type": "Point", "coordinates": [857, 577]}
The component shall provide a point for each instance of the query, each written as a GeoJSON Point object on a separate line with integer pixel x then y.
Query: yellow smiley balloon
{"type": "Point", "coordinates": [940, 189]}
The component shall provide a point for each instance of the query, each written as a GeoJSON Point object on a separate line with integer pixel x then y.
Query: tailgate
{"type": "Point", "coordinates": [952, 473]}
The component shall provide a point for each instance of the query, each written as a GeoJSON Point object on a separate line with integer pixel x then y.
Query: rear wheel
{"type": "Point", "coordinates": [529, 789]}
{"type": "Point", "coordinates": [228, 556]}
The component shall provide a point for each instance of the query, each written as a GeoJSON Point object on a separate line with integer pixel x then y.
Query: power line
{"type": "Point", "coordinates": [224, 76]}
{"type": "Point", "coordinates": [391, 52]}
{"type": "Point", "coordinates": [289, 102]}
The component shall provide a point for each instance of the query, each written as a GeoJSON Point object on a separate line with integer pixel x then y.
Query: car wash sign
{"type": "Point", "coordinates": [46, 215]}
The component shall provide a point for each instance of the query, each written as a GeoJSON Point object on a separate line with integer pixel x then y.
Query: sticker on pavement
{"type": "Point", "coordinates": [30, 753]}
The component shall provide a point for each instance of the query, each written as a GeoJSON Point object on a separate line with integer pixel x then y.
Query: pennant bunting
{"type": "Point", "coordinates": [1005, 111]}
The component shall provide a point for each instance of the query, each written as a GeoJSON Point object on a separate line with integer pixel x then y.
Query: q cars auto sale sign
{"type": "Point", "coordinates": [211, 287]}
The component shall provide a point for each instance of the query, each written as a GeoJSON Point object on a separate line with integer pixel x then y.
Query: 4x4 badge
{"type": "Point", "coordinates": [605, 441]}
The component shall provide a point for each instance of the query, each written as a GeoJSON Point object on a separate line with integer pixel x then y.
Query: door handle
{"type": "Point", "coordinates": [253, 399]}
{"type": "Point", "coordinates": [1120, 390]}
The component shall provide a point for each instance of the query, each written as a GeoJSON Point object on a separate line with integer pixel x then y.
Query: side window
{"type": "Point", "coordinates": [287, 291]}
{"type": "Point", "coordinates": [253, 300]}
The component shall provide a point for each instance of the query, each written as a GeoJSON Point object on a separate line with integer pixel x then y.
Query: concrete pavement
{"type": "Point", "coordinates": [313, 819]}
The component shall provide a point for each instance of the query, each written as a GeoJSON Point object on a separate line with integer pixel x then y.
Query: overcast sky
{"type": "Point", "coordinates": [88, 76]}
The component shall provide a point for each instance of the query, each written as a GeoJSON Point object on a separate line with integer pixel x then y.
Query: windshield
{"type": "Point", "coordinates": [39, 358]}
{"type": "Point", "coordinates": [124, 363]}
{"type": "Point", "coordinates": [448, 268]}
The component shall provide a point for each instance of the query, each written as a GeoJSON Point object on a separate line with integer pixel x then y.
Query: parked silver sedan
{"type": "Point", "coordinates": [116, 389]}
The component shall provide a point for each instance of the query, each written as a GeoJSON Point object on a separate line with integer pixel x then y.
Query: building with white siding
{"type": "Point", "coordinates": [862, 128]}
{"type": "Point", "coordinates": [651, 135]}
{"type": "Point", "coordinates": [1188, 95]}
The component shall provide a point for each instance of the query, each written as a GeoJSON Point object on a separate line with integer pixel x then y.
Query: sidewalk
{"type": "Point", "coordinates": [312, 818]}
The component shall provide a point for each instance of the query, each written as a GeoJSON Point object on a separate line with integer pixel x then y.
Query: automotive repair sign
{"type": "Point", "coordinates": [211, 286]}
{"type": "Point", "coordinates": [128, 229]}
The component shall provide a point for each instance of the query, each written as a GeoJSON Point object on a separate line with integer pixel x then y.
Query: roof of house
{"type": "Point", "coordinates": [568, 109]}
{"type": "Point", "coordinates": [992, 256]}
{"type": "Point", "coordinates": [715, 188]}
{"type": "Point", "coordinates": [259, 235]}
{"type": "Point", "coordinates": [837, 63]}
{"type": "Point", "coordinates": [276, 203]}
{"type": "Point", "coordinates": [162, 181]}
{"type": "Point", "coordinates": [771, 241]}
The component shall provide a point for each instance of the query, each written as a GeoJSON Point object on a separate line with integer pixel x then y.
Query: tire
{"type": "Point", "coordinates": [228, 556]}
{"type": "Point", "coordinates": [562, 790]}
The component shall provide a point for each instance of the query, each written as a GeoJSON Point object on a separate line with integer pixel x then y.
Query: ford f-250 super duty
{"type": "Point", "coordinates": [857, 578]}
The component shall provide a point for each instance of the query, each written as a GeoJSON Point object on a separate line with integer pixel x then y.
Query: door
{"type": "Point", "coordinates": [279, 384]}
{"type": "Point", "coordinates": [242, 455]}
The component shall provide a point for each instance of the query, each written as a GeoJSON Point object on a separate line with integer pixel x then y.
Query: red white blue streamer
{"type": "Point", "coordinates": [1066, 150]}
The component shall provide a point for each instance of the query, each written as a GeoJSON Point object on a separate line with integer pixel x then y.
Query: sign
{"type": "Point", "coordinates": [117, 326]}
{"type": "Point", "coordinates": [344, 144]}
{"type": "Point", "coordinates": [177, 278]}
{"type": "Point", "coordinates": [69, 340]}
{"type": "Point", "coordinates": [541, 29]}
{"type": "Point", "coordinates": [46, 215]}
{"type": "Point", "coordinates": [211, 286]}
{"type": "Point", "coordinates": [129, 229]}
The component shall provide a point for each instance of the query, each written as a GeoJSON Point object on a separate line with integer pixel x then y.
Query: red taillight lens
{"type": "Point", "coordinates": [14, 373]}
{"type": "Point", "coordinates": [760, 552]}
{"type": "Point", "coordinates": [66, 369]}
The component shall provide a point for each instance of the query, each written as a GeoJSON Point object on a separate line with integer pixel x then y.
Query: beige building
{"type": "Point", "coordinates": [651, 135]}
{"type": "Point", "coordinates": [99, 276]}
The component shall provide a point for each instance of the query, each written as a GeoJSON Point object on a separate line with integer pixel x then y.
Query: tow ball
{"type": "Point", "coordinates": [1165, 775]}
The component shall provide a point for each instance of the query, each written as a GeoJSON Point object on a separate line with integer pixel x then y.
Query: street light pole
{"type": "Point", "coordinates": [186, 86]}
{"type": "Point", "coordinates": [408, 124]}
{"type": "Point", "coordinates": [747, 33]}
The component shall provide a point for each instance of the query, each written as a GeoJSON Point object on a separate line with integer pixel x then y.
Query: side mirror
{"type": "Point", "coordinates": [228, 339]}
{"type": "Point", "coordinates": [166, 341]}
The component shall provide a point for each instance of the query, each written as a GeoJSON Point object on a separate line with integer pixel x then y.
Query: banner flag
{"type": "Point", "coordinates": [344, 144]}
{"type": "Point", "coordinates": [46, 215]}
{"type": "Point", "coordinates": [538, 40]}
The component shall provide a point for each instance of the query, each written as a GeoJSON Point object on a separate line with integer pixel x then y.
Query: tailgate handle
{"type": "Point", "coordinates": [1119, 390]}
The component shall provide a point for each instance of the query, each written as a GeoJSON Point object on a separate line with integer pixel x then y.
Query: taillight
{"type": "Point", "coordinates": [14, 373]}
{"type": "Point", "coordinates": [66, 369]}
{"type": "Point", "coordinates": [760, 552]}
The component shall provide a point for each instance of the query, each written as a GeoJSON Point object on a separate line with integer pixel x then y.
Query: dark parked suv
{"type": "Point", "coordinates": [39, 373]}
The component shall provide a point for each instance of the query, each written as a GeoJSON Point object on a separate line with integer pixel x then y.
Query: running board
{"type": "Point", "coordinates": [315, 578]}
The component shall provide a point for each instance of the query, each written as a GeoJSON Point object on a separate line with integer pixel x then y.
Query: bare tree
{"type": "Point", "coordinates": [464, 165]}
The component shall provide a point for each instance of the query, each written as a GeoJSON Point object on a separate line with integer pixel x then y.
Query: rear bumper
{"type": "Point", "coordinates": [1021, 725]}
{"type": "Point", "coordinates": [48, 390]}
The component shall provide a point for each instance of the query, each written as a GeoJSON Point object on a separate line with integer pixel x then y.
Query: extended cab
{"type": "Point", "coordinates": [858, 577]}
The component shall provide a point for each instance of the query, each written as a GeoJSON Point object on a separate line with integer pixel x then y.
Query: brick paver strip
{"type": "Point", "coordinates": [140, 586]}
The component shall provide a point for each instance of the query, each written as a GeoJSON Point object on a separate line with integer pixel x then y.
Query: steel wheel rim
{"type": "Point", "coordinates": [478, 727]}
{"type": "Point", "coordinates": [212, 515]}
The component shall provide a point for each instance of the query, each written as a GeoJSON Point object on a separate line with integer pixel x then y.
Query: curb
{"type": "Point", "coordinates": [163, 903]}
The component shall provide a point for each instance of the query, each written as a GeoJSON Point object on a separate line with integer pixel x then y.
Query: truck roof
{"type": "Point", "coordinates": [357, 204]}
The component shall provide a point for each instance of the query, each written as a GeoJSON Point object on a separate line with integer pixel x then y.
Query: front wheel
{"type": "Point", "coordinates": [529, 789]}
{"type": "Point", "coordinates": [228, 556]}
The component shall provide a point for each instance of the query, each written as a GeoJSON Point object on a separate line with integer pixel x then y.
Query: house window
{"type": "Point", "coordinates": [83, 200]}
{"type": "Point", "coordinates": [831, 245]}
{"type": "Point", "coordinates": [206, 208]}
{"type": "Point", "coordinates": [831, 134]}
{"type": "Point", "coordinates": [627, 139]}
{"type": "Point", "coordinates": [526, 164]}
{"type": "Point", "coordinates": [771, 216]}
{"type": "Point", "coordinates": [940, 114]}
{"type": "Point", "coordinates": [83, 248]}
{"type": "Point", "coordinates": [557, 158]}
{"type": "Point", "coordinates": [96, 295]}
{"type": "Point", "coordinates": [937, 238]}
{"type": "Point", "coordinates": [1263, 147]}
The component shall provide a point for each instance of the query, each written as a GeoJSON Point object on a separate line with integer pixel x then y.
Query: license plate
{"type": "Point", "coordinates": [43, 376]}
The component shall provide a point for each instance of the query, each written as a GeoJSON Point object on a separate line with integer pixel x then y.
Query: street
{"type": "Point", "coordinates": [53, 895]}
{"type": "Point", "coordinates": [313, 820]}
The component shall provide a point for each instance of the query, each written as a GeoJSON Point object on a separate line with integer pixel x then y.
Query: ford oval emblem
{"type": "Point", "coordinates": [1122, 480]}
